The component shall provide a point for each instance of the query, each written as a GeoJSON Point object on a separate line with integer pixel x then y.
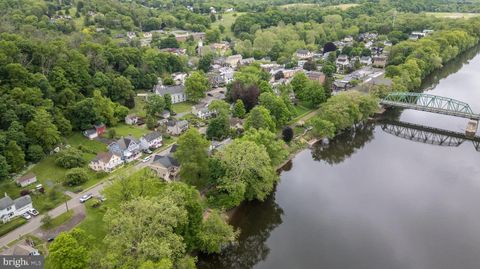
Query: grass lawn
{"type": "Point", "coordinates": [300, 111]}
{"type": "Point", "coordinates": [78, 139]}
{"type": "Point", "coordinates": [125, 130]}
{"type": "Point", "coordinates": [93, 223]}
{"type": "Point", "coordinates": [453, 15]}
{"type": "Point", "coordinates": [59, 220]}
{"type": "Point", "coordinates": [11, 225]}
{"type": "Point", "coordinates": [227, 20]}
{"type": "Point", "coordinates": [182, 107]}
{"type": "Point", "coordinates": [139, 106]}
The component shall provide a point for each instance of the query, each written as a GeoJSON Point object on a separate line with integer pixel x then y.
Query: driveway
{"type": "Point", "coordinates": [35, 222]}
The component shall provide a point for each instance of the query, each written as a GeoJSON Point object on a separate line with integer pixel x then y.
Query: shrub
{"type": "Point", "coordinates": [24, 192]}
{"type": "Point", "coordinates": [70, 158]}
{"type": "Point", "coordinates": [75, 177]}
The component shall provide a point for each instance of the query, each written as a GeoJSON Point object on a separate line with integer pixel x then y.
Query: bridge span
{"type": "Point", "coordinates": [430, 103]}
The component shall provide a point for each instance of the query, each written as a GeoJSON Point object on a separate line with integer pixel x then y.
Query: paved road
{"type": "Point", "coordinates": [35, 222]}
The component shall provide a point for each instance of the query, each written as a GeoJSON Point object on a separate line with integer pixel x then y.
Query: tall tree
{"type": "Point", "coordinates": [69, 251]}
{"type": "Point", "coordinates": [239, 109]}
{"type": "Point", "coordinates": [42, 131]}
{"type": "Point", "coordinates": [215, 234]}
{"type": "Point", "coordinates": [192, 153]}
{"type": "Point", "coordinates": [4, 168]}
{"type": "Point", "coordinates": [259, 117]}
{"type": "Point", "coordinates": [15, 156]}
{"type": "Point", "coordinates": [195, 86]}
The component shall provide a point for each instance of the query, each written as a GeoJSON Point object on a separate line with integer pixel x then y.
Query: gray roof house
{"type": "Point", "coordinates": [177, 92]}
{"type": "Point", "coordinates": [10, 208]}
{"type": "Point", "coordinates": [151, 140]}
{"type": "Point", "coordinates": [166, 167]}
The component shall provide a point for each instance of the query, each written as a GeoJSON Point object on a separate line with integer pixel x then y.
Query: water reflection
{"type": "Point", "coordinates": [255, 220]}
{"type": "Point", "coordinates": [344, 145]}
{"type": "Point", "coordinates": [428, 135]}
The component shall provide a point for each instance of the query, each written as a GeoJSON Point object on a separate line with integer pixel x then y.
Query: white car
{"type": "Point", "coordinates": [26, 216]}
{"type": "Point", "coordinates": [146, 159]}
{"type": "Point", "coordinates": [33, 212]}
{"type": "Point", "coordinates": [85, 198]}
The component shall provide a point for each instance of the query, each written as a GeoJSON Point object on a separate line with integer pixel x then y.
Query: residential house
{"type": "Point", "coordinates": [96, 132]}
{"type": "Point", "coordinates": [340, 85]}
{"type": "Point", "coordinates": [304, 54]}
{"type": "Point", "coordinates": [176, 51]}
{"type": "Point", "coordinates": [126, 147]}
{"type": "Point", "coordinates": [366, 60]}
{"type": "Point", "coordinates": [234, 60]}
{"type": "Point", "coordinates": [177, 127]}
{"type": "Point", "coordinates": [177, 92]}
{"type": "Point", "coordinates": [342, 62]}
{"type": "Point", "coordinates": [289, 73]}
{"type": "Point", "coordinates": [379, 61]}
{"type": "Point", "coordinates": [181, 37]}
{"type": "Point", "coordinates": [316, 76]}
{"type": "Point", "coordinates": [179, 78]}
{"type": "Point", "coordinates": [375, 81]}
{"type": "Point", "coordinates": [147, 35]}
{"type": "Point", "coordinates": [151, 140]}
{"type": "Point", "coordinates": [165, 114]}
{"type": "Point", "coordinates": [26, 180]}
{"type": "Point", "coordinates": [201, 111]}
{"type": "Point", "coordinates": [237, 124]}
{"type": "Point", "coordinates": [131, 35]}
{"type": "Point", "coordinates": [247, 61]}
{"type": "Point", "coordinates": [106, 161]}
{"type": "Point", "coordinates": [11, 208]}
{"type": "Point", "coordinates": [132, 119]}
{"type": "Point", "coordinates": [198, 36]}
{"type": "Point", "coordinates": [22, 249]}
{"type": "Point", "coordinates": [166, 167]}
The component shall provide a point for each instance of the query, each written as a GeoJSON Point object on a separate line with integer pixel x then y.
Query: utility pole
{"type": "Point", "coordinates": [66, 205]}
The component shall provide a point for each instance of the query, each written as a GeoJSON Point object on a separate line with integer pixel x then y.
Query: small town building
{"type": "Point", "coordinates": [132, 119]}
{"type": "Point", "coordinates": [177, 127]}
{"type": "Point", "coordinates": [106, 161]}
{"type": "Point", "coordinates": [304, 54]}
{"type": "Point", "coordinates": [316, 76]}
{"type": "Point", "coordinates": [96, 132]}
{"type": "Point", "coordinates": [177, 92]}
{"type": "Point", "coordinates": [26, 180]}
{"type": "Point", "coordinates": [366, 60]}
{"type": "Point", "coordinates": [126, 147]}
{"type": "Point", "coordinates": [342, 62]}
{"type": "Point", "coordinates": [166, 167]}
{"type": "Point", "coordinates": [151, 140]}
{"type": "Point", "coordinates": [379, 61]}
{"type": "Point", "coordinates": [11, 208]}
{"type": "Point", "coordinates": [165, 114]}
{"type": "Point", "coordinates": [201, 111]}
{"type": "Point", "coordinates": [234, 60]}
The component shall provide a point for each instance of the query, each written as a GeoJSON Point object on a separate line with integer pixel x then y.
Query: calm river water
{"type": "Point", "coordinates": [373, 200]}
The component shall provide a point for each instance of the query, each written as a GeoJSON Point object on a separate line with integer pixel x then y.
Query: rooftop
{"type": "Point", "coordinates": [175, 89]}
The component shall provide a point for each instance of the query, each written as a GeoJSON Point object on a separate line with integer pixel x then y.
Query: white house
{"type": "Point", "coordinates": [202, 111]}
{"type": "Point", "coordinates": [26, 180]}
{"type": "Point", "coordinates": [127, 147]}
{"type": "Point", "coordinates": [131, 119]}
{"type": "Point", "coordinates": [366, 60]}
{"type": "Point", "coordinates": [105, 161]}
{"type": "Point", "coordinates": [151, 140]}
{"type": "Point", "coordinates": [177, 92]}
{"type": "Point", "coordinates": [304, 54]}
{"type": "Point", "coordinates": [342, 62]}
{"type": "Point", "coordinates": [10, 208]}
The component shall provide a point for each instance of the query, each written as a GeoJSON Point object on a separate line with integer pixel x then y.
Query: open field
{"type": "Point", "coordinates": [227, 20]}
{"type": "Point", "coordinates": [125, 130]}
{"type": "Point", "coordinates": [182, 107]}
{"type": "Point", "coordinates": [453, 15]}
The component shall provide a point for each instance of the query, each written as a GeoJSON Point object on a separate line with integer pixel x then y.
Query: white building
{"type": "Point", "coordinates": [26, 180]}
{"type": "Point", "coordinates": [201, 111]}
{"type": "Point", "coordinates": [151, 140]}
{"type": "Point", "coordinates": [11, 208]}
{"type": "Point", "coordinates": [177, 92]}
{"type": "Point", "coordinates": [105, 161]}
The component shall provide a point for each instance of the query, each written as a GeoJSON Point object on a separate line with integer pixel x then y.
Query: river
{"type": "Point", "coordinates": [373, 200]}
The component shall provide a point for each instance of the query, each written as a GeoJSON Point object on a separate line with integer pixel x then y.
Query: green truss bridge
{"type": "Point", "coordinates": [430, 103]}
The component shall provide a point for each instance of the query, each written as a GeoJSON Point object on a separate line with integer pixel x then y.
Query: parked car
{"type": "Point", "coordinates": [38, 187]}
{"type": "Point", "coordinates": [101, 198]}
{"type": "Point", "coordinates": [147, 151]}
{"type": "Point", "coordinates": [50, 239]}
{"type": "Point", "coordinates": [26, 216]}
{"type": "Point", "coordinates": [146, 159]}
{"type": "Point", "coordinates": [33, 212]}
{"type": "Point", "coordinates": [85, 198]}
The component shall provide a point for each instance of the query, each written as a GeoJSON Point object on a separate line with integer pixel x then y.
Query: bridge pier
{"type": "Point", "coordinates": [472, 127]}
